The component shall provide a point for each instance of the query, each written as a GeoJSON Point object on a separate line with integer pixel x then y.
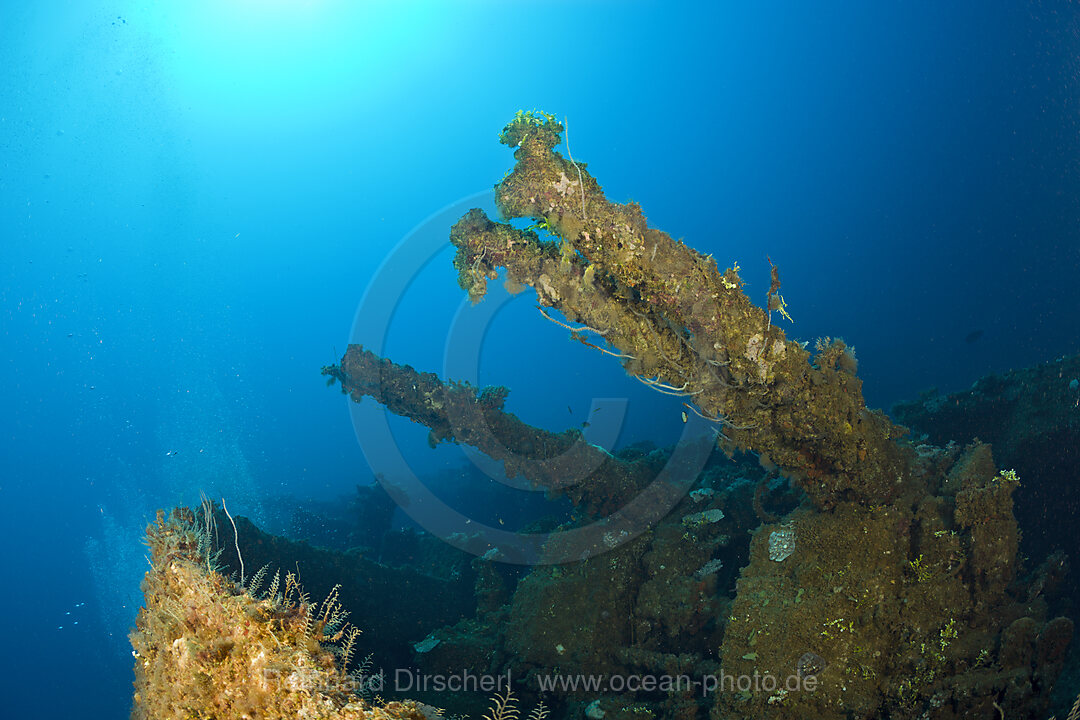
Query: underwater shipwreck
{"type": "Point", "coordinates": [829, 564]}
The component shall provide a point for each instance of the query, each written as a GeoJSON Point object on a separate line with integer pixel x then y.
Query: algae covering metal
{"type": "Point", "coordinates": [890, 586]}
{"type": "Point", "coordinates": [678, 323]}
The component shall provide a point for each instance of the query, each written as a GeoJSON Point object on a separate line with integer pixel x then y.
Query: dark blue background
{"type": "Point", "coordinates": [194, 196]}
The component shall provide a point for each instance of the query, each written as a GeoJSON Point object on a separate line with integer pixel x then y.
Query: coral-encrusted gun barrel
{"type": "Point", "coordinates": [560, 463]}
{"type": "Point", "coordinates": [677, 323]}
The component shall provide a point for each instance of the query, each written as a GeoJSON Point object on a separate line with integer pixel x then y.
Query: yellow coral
{"type": "Point", "coordinates": [205, 648]}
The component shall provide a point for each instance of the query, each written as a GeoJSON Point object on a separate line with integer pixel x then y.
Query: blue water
{"type": "Point", "coordinates": [194, 197]}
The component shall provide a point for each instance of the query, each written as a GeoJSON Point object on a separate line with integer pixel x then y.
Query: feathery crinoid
{"type": "Point", "coordinates": [503, 707]}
